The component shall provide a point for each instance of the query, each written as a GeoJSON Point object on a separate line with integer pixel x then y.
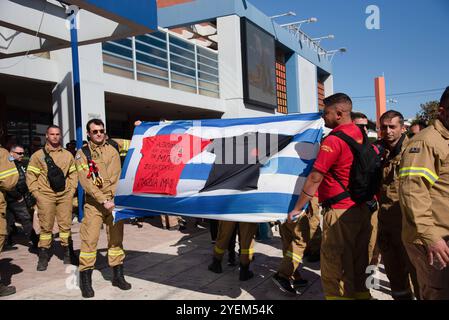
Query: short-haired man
{"type": "Point", "coordinates": [360, 120]}
{"type": "Point", "coordinates": [424, 200]}
{"type": "Point", "coordinates": [346, 224]}
{"type": "Point", "coordinates": [398, 268]}
{"type": "Point", "coordinates": [52, 179]}
{"type": "Point", "coordinates": [20, 200]}
{"type": "Point", "coordinates": [98, 166]}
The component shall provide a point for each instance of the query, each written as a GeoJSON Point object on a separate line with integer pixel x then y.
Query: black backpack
{"type": "Point", "coordinates": [55, 175]}
{"type": "Point", "coordinates": [365, 175]}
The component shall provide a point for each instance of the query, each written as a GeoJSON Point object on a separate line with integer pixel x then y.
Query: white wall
{"type": "Point", "coordinates": [92, 83]}
{"type": "Point", "coordinates": [329, 86]}
{"type": "Point", "coordinates": [230, 70]}
{"type": "Point", "coordinates": [308, 86]}
{"type": "Point", "coordinates": [30, 67]}
{"type": "Point", "coordinates": [92, 89]}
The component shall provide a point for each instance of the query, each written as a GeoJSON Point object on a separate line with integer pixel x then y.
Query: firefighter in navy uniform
{"type": "Point", "coordinates": [98, 166]}
{"type": "Point", "coordinates": [52, 180]}
{"type": "Point", "coordinates": [8, 180]}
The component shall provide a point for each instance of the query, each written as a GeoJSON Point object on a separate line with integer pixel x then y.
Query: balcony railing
{"type": "Point", "coordinates": [164, 59]}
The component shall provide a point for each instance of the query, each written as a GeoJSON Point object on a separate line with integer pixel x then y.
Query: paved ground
{"type": "Point", "coordinates": [160, 264]}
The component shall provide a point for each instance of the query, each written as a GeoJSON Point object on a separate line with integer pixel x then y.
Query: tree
{"type": "Point", "coordinates": [428, 112]}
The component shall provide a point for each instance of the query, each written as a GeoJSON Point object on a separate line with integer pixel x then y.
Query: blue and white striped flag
{"type": "Point", "coordinates": [280, 177]}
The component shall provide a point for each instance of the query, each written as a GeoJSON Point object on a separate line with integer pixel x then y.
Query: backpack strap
{"type": "Point", "coordinates": [49, 160]}
{"type": "Point", "coordinates": [87, 153]}
{"type": "Point", "coordinates": [335, 199]}
{"type": "Point", "coordinates": [349, 141]}
{"type": "Point", "coordinates": [114, 144]}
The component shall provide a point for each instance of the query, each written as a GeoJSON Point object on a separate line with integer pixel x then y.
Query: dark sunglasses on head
{"type": "Point", "coordinates": [98, 131]}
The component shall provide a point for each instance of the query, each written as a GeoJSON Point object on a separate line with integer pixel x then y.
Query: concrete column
{"type": "Point", "coordinates": [92, 89]}
{"type": "Point", "coordinates": [230, 64]}
{"type": "Point", "coordinates": [92, 83]}
{"type": "Point", "coordinates": [230, 70]}
{"type": "Point", "coordinates": [308, 86]}
{"type": "Point", "coordinates": [329, 86]}
{"type": "Point", "coordinates": [292, 73]}
{"type": "Point", "coordinates": [62, 95]}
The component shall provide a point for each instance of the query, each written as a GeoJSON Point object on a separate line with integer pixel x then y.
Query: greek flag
{"type": "Point", "coordinates": [247, 170]}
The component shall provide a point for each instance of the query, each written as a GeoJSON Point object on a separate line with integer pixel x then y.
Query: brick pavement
{"type": "Point", "coordinates": [160, 264]}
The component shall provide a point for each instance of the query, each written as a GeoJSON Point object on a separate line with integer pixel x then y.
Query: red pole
{"type": "Point", "coordinates": [381, 99]}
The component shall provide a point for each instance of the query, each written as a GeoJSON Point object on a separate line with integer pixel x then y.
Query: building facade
{"type": "Point", "coordinates": [208, 59]}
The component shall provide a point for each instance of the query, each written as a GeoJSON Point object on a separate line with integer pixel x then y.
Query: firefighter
{"type": "Point", "coordinates": [424, 200]}
{"type": "Point", "coordinates": [247, 231]}
{"type": "Point", "coordinates": [312, 252]}
{"type": "Point", "coordinates": [98, 166]}
{"type": "Point", "coordinates": [52, 180]}
{"type": "Point", "coordinates": [295, 237]}
{"type": "Point", "coordinates": [398, 267]}
{"type": "Point", "coordinates": [8, 180]}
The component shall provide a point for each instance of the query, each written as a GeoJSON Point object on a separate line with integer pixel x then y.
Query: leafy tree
{"type": "Point", "coordinates": [428, 112]}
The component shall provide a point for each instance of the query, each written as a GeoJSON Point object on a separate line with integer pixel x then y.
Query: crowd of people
{"type": "Point", "coordinates": [363, 202]}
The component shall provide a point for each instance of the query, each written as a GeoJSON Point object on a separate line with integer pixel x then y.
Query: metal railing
{"type": "Point", "coordinates": [165, 59]}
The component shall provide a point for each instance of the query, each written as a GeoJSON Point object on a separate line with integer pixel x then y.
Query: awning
{"type": "Point", "coordinates": [33, 26]}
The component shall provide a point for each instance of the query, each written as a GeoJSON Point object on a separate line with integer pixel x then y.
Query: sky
{"type": "Point", "coordinates": [411, 48]}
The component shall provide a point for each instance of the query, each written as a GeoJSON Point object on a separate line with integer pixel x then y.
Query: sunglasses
{"type": "Point", "coordinates": [19, 153]}
{"type": "Point", "coordinates": [102, 131]}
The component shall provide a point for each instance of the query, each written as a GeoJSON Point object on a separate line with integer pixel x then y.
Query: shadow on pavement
{"type": "Point", "coordinates": [7, 270]}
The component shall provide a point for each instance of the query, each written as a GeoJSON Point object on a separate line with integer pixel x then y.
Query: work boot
{"type": "Point", "coordinates": [215, 266]}
{"type": "Point", "coordinates": [231, 259]}
{"type": "Point", "coordinates": [34, 238]}
{"type": "Point", "coordinates": [245, 273]}
{"type": "Point", "coordinates": [42, 264]}
{"type": "Point", "coordinates": [6, 290]}
{"type": "Point", "coordinates": [69, 254]}
{"type": "Point", "coordinates": [284, 284]}
{"type": "Point", "coordinates": [118, 279]}
{"type": "Point", "coordinates": [299, 282]}
{"type": "Point", "coordinates": [86, 284]}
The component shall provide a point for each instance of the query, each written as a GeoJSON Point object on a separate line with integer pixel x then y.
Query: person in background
{"type": "Point", "coordinates": [20, 201]}
{"type": "Point", "coordinates": [416, 127]}
{"type": "Point", "coordinates": [71, 147]}
{"type": "Point", "coordinates": [35, 145]}
{"type": "Point", "coordinates": [361, 121]}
